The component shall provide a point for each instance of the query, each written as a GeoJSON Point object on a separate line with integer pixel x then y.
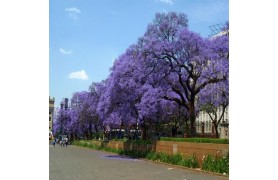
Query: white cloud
{"type": "Point", "coordinates": [167, 1]}
{"type": "Point", "coordinates": [78, 75]}
{"type": "Point", "coordinates": [65, 51]}
{"type": "Point", "coordinates": [73, 12]}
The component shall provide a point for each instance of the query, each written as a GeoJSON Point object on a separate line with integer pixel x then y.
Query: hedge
{"type": "Point", "coordinates": [196, 140]}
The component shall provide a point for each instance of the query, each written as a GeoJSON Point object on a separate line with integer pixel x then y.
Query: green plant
{"type": "Point", "coordinates": [152, 156]}
{"type": "Point", "coordinates": [196, 140]}
{"type": "Point", "coordinates": [140, 141]}
{"type": "Point", "coordinates": [216, 164]}
{"type": "Point", "coordinates": [175, 158]}
{"type": "Point", "coordinates": [97, 135]}
{"type": "Point", "coordinates": [163, 157]}
{"type": "Point", "coordinates": [189, 161]}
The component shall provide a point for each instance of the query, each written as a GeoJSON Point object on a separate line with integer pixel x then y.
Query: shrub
{"type": "Point", "coordinates": [139, 141]}
{"type": "Point", "coordinates": [189, 161]}
{"type": "Point", "coordinates": [152, 156]}
{"type": "Point", "coordinates": [97, 135]}
{"type": "Point", "coordinates": [163, 157]}
{"type": "Point", "coordinates": [218, 164]}
{"type": "Point", "coordinates": [196, 140]}
{"type": "Point", "coordinates": [176, 159]}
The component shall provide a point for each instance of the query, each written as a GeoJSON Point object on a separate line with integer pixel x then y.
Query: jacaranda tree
{"type": "Point", "coordinates": [187, 61]}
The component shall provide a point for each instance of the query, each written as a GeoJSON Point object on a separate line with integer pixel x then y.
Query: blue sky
{"type": "Point", "coordinates": [85, 36]}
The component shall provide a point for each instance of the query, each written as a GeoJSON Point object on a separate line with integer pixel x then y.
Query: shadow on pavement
{"type": "Point", "coordinates": [119, 157]}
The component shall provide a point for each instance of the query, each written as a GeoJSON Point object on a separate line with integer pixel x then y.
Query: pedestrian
{"type": "Point", "coordinates": [66, 141]}
{"type": "Point", "coordinates": [54, 142]}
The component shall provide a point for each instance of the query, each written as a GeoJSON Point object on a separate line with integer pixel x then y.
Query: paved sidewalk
{"type": "Point", "coordinates": [74, 163]}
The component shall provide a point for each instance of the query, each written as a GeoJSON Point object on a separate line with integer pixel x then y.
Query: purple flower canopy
{"type": "Point", "coordinates": [169, 68]}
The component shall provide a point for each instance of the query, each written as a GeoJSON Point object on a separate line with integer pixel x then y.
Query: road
{"type": "Point", "coordinates": [79, 163]}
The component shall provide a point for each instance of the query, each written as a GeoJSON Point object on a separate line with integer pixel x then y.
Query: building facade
{"type": "Point", "coordinates": [51, 112]}
{"type": "Point", "coordinates": [204, 118]}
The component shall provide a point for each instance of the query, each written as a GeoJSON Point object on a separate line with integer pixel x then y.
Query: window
{"type": "Point", "coordinates": [198, 127]}
{"type": "Point", "coordinates": [209, 126]}
{"type": "Point", "coordinates": [206, 127]}
{"type": "Point", "coordinates": [49, 118]}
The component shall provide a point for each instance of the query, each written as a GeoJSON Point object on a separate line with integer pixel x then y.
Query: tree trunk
{"type": "Point", "coordinates": [90, 130]}
{"type": "Point", "coordinates": [174, 131]}
{"type": "Point", "coordinates": [215, 128]}
{"type": "Point", "coordinates": [143, 132]}
{"type": "Point", "coordinates": [192, 118]}
{"type": "Point", "coordinates": [96, 128]}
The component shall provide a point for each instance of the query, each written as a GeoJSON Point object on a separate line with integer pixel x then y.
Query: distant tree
{"type": "Point", "coordinates": [82, 110]}
{"type": "Point", "coordinates": [60, 121]}
{"type": "Point", "coordinates": [122, 93]}
{"type": "Point", "coordinates": [95, 91]}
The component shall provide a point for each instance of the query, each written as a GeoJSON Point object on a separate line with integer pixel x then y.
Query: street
{"type": "Point", "coordinates": [79, 163]}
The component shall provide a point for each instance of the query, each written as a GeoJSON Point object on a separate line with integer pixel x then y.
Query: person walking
{"type": "Point", "coordinates": [66, 141]}
{"type": "Point", "coordinates": [54, 142]}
